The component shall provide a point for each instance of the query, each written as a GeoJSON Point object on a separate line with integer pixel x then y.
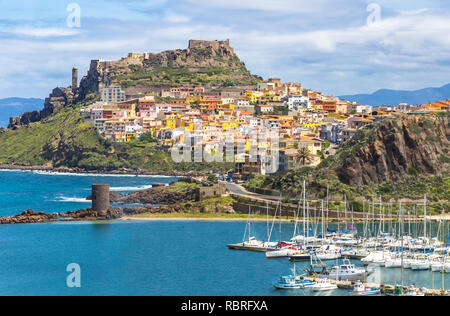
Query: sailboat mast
{"type": "Point", "coordinates": [281, 203]}
{"type": "Point", "coordinates": [323, 225]}
{"type": "Point", "coordinates": [425, 216]}
{"type": "Point", "coordinates": [304, 212]}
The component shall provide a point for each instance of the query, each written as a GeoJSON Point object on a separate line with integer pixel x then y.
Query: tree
{"type": "Point", "coordinates": [303, 155]}
{"type": "Point", "coordinates": [213, 179]}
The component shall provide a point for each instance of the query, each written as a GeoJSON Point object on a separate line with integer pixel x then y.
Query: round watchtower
{"type": "Point", "coordinates": [74, 78]}
{"type": "Point", "coordinates": [100, 197]}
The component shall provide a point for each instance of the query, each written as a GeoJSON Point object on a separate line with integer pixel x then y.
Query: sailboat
{"type": "Point", "coordinates": [250, 243]}
{"type": "Point", "coordinates": [422, 263]}
{"type": "Point", "coordinates": [284, 249]}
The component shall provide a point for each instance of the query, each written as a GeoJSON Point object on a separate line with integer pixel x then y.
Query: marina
{"type": "Point", "coordinates": [132, 257]}
{"type": "Point", "coordinates": [396, 245]}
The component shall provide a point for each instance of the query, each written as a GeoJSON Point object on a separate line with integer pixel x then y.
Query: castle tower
{"type": "Point", "coordinates": [100, 197]}
{"type": "Point", "coordinates": [74, 78]}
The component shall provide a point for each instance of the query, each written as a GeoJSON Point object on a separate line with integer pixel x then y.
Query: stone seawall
{"type": "Point", "coordinates": [290, 211]}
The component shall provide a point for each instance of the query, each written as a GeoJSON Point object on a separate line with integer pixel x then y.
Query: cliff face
{"type": "Point", "coordinates": [59, 98]}
{"type": "Point", "coordinates": [396, 149]}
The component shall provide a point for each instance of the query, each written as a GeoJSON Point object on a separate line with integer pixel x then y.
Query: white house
{"type": "Point", "coordinates": [298, 101]}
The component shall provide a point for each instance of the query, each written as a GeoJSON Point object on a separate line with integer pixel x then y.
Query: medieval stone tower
{"type": "Point", "coordinates": [100, 197]}
{"type": "Point", "coordinates": [74, 78]}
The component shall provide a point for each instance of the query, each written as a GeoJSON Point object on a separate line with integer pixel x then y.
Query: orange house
{"type": "Point", "coordinates": [211, 104]}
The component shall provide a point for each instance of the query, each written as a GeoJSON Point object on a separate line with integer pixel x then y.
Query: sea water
{"type": "Point", "coordinates": [167, 257]}
{"type": "Point", "coordinates": [61, 192]}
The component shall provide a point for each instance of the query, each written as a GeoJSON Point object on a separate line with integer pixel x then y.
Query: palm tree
{"type": "Point", "coordinates": [303, 155]}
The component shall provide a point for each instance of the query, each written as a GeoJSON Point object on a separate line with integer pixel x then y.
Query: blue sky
{"type": "Point", "coordinates": [325, 44]}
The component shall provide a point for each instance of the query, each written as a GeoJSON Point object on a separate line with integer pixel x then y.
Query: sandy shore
{"type": "Point", "coordinates": [233, 219]}
{"type": "Point", "coordinates": [190, 219]}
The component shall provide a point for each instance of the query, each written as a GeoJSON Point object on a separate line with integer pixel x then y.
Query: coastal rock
{"type": "Point", "coordinates": [151, 210]}
{"type": "Point", "coordinates": [32, 217]}
{"type": "Point", "coordinates": [28, 217]}
{"type": "Point", "coordinates": [89, 214]}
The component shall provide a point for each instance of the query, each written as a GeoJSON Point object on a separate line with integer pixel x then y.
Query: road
{"type": "Point", "coordinates": [239, 190]}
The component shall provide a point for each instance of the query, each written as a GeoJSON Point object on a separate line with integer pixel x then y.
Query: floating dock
{"type": "Point", "coordinates": [385, 289]}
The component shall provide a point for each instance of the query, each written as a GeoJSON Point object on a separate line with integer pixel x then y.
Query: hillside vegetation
{"type": "Point", "coordinates": [64, 141]}
{"type": "Point", "coordinates": [403, 158]}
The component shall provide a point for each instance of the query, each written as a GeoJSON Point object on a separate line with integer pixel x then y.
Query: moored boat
{"type": "Point", "coordinates": [359, 289]}
{"type": "Point", "coordinates": [323, 285]}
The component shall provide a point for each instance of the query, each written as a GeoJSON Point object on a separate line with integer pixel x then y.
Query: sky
{"type": "Point", "coordinates": [335, 46]}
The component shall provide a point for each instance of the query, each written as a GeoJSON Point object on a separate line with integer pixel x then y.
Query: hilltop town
{"type": "Point", "coordinates": [311, 125]}
{"type": "Point", "coordinates": [157, 97]}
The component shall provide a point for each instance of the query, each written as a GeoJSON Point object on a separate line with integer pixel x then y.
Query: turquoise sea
{"type": "Point", "coordinates": [133, 258]}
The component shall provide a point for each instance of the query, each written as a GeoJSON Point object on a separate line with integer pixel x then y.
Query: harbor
{"type": "Point", "coordinates": [380, 243]}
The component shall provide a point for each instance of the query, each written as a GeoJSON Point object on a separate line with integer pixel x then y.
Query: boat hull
{"type": "Point", "coordinates": [249, 248]}
{"type": "Point", "coordinates": [366, 293]}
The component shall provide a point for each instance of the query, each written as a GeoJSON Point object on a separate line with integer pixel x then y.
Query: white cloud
{"type": "Point", "coordinates": [287, 6]}
{"type": "Point", "coordinates": [324, 44]}
{"type": "Point", "coordinates": [46, 32]}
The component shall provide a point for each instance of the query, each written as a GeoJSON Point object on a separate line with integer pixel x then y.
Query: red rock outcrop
{"type": "Point", "coordinates": [398, 148]}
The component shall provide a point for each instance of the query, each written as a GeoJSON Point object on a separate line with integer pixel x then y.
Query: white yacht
{"type": "Point", "coordinates": [421, 264]}
{"type": "Point", "coordinates": [359, 289]}
{"type": "Point", "coordinates": [282, 253]}
{"type": "Point", "coordinates": [323, 285]}
{"type": "Point", "coordinates": [346, 271]}
{"type": "Point", "coordinates": [393, 263]}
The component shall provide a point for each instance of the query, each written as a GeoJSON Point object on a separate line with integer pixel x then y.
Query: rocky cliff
{"type": "Point", "coordinates": [59, 98]}
{"type": "Point", "coordinates": [395, 149]}
{"type": "Point", "coordinates": [203, 62]}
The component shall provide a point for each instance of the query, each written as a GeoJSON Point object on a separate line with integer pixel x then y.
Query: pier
{"type": "Point", "coordinates": [385, 288]}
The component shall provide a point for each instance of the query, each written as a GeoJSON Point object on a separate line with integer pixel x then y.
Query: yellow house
{"type": "Point", "coordinates": [271, 96]}
{"type": "Point", "coordinates": [314, 145]}
{"type": "Point", "coordinates": [130, 136]}
{"type": "Point", "coordinates": [170, 123]}
{"type": "Point", "coordinates": [229, 126]}
{"type": "Point", "coordinates": [253, 96]}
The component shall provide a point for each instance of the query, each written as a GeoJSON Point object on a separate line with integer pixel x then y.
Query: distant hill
{"type": "Point", "coordinates": [16, 106]}
{"type": "Point", "coordinates": [394, 97]}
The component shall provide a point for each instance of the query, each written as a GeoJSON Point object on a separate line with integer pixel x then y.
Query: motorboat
{"type": "Point", "coordinates": [346, 271]}
{"type": "Point", "coordinates": [359, 289]}
{"type": "Point", "coordinates": [292, 283]}
{"type": "Point", "coordinates": [323, 285]}
{"type": "Point", "coordinates": [393, 263]}
{"type": "Point", "coordinates": [282, 253]}
{"type": "Point", "coordinates": [420, 265]}
{"type": "Point", "coordinates": [437, 267]}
